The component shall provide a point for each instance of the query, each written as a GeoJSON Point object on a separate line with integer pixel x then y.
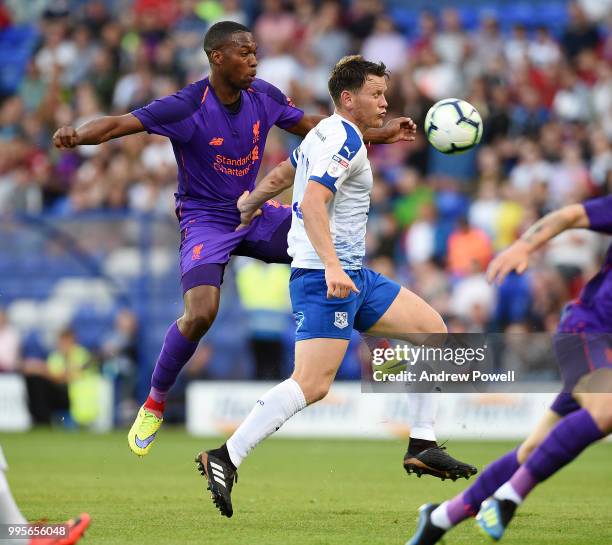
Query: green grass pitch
{"type": "Point", "coordinates": [303, 492]}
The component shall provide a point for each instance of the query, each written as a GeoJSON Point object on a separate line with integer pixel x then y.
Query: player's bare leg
{"type": "Point", "coordinates": [411, 319]}
{"type": "Point", "coordinates": [201, 307]}
{"type": "Point", "coordinates": [316, 365]}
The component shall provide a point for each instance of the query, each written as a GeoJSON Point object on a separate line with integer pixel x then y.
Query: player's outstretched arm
{"type": "Point", "coordinates": [316, 223]}
{"type": "Point", "coordinates": [278, 179]}
{"type": "Point", "coordinates": [516, 257]}
{"type": "Point", "coordinates": [97, 131]}
{"type": "Point", "coordinates": [400, 128]}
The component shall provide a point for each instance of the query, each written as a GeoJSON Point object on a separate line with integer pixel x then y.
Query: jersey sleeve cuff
{"type": "Point", "coordinates": [293, 157]}
{"type": "Point", "coordinates": [143, 116]}
{"type": "Point", "coordinates": [326, 180]}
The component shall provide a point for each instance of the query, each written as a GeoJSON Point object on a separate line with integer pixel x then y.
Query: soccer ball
{"type": "Point", "coordinates": [453, 126]}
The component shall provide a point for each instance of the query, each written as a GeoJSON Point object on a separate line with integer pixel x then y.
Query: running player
{"type": "Point", "coordinates": [218, 128]}
{"type": "Point", "coordinates": [331, 292]}
{"type": "Point", "coordinates": [579, 416]}
{"type": "Point", "coordinates": [10, 515]}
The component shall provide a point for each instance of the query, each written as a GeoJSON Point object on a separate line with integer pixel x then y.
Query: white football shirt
{"type": "Point", "coordinates": [333, 154]}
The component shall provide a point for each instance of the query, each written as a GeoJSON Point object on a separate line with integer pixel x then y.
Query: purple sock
{"type": "Point", "coordinates": [564, 443]}
{"type": "Point", "coordinates": [492, 477]}
{"type": "Point", "coordinates": [158, 395]}
{"type": "Point", "coordinates": [174, 355]}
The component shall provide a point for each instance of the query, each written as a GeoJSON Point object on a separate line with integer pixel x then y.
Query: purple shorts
{"type": "Point", "coordinates": [208, 244]}
{"type": "Point", "coordinates": [577, 355]}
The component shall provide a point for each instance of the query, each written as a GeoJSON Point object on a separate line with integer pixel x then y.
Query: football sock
{"type": "Point", "coordinates": [271, 411]}
{"type": "Point", "coordinates": [423, 409]}
{"type": "Point", "coordinates": [223, 454]}
{"type": "Point", "coordinates": [507, 492]}
{"type": "Point", "coordinates": [156, 407]}
{"type": "Point", "coordinates": [175, 353]}
{"type": "Point", "coordinates": [440, 518]}
{"type": "Point", "coordinates": [416, 446]}
{"type": "Point", "coordinates": [9, 512]}
{"type": "Point", "coordinates": [565, 442]}
{"type": "Point", "coordinates": [467, 503]}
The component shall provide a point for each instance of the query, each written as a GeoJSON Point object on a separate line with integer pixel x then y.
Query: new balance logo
{"type": "Point", "coordinates": [217, 141]}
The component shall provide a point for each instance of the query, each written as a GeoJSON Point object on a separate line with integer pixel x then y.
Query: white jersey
{"type": "Point", "coordinates": [333, 154]}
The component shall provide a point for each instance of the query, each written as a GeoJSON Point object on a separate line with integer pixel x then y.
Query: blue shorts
{"type": "Point", "coordinates": [316, 316]}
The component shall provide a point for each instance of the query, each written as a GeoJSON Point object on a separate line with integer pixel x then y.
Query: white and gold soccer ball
{"type": "Point", "coordinates": [453, 126]}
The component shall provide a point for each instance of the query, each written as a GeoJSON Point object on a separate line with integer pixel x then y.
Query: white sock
{"type": "Point", "coordinates": [271, 411]}
{"type": "Point", "coordinates": [9, 512]}
{"type": "Point", "coordinates": [506, 492]}
{"type": "Point", "coordinates": [423, 409]}
{"type": "Point", "coordinates": [439, 517]}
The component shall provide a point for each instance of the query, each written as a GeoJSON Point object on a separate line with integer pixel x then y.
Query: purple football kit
{"type": "Point", "coordinates": [581, 345]}
{"type": "Point", "coordinates": [218, 153]}
{"type": "Point", "coordinates": [583, 342]}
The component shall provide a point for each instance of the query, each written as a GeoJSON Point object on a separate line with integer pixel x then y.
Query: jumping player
{"type": "Point", "coordinates": [579, 416]}
{"type": "Point", "coordinates": [218, 128]}
{"type": "Point", "coordinates": [331, 292]}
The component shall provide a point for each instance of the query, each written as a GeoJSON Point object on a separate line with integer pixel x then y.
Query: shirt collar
{"type": "Point", "coordinates": [349, 122]}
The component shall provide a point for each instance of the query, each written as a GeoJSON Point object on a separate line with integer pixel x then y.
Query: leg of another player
{"type": "Point", "coordinates": [436, 520]}
{"type": "Point", "coordinates": [181, 341]}
{"type": "Point", "coordinates": [182, 338]}
{"type": "Point", "coordinates": [567, 439]}
{"type": "Point", "coordinates": [423, 409]}
{"type": "Point", "coordinates": [10, 514]}
{"type": "Point", "coordinates": [410, 318]}
{"type": "Point", "coordinates": [316, 364]}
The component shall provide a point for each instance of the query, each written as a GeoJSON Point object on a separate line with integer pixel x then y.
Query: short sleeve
{"type": "Point", "coordinates": [337, 156]}
{"type": "Point", "coordinates": [279, 108]}
{"type": "Point", "coordinates": [295, 156]}
{"type": "Point", "coordinates": [599, 212]}
{"type": "Point", "coordinates": [172, 116]}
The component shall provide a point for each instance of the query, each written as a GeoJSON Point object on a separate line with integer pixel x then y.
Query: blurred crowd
{"type": "Point", "coordinates": [545, 95]}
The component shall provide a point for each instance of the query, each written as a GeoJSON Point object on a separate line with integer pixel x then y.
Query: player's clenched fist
{"type": "Point", "coordinates": [339, 284]}
{"type": "Point", "coordinates": [65, 137]}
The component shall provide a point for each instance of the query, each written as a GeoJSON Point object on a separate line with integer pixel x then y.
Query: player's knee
{"type": "Point", "coordinates": [437, 325]}
{"type": "Point", "coordinates": [600, 408]}
{"type": "Point", "coordinates": [317, 393]}
{"type": "Point", "coordinates": [313, 388]}
{"type": "Point", "coordinates": [195, 323]}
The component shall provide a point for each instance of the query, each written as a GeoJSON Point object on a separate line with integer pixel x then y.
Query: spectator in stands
{"type": "Point", "coordinates": [10, 342]}
{"type": "Point", "coordinates": [67, 386]}
{"type": "Point", "coordinates": [386, 44]}
{"type": "Point", "coordinates": [119, 364]}
{"type": "Point", "coordinates": [547, 107]}
{"type": "Point", "coordinates": [469, 250]}
{"type": "Point", "coordinates": [265, 298]}
{"type": "Point", "coordinates": [580, 33]}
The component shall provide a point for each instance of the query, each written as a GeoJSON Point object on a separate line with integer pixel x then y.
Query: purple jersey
{"type": "Point", "coordinates": [592, 311]}
{"type": "Point", "coordinates": [218, 152]}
